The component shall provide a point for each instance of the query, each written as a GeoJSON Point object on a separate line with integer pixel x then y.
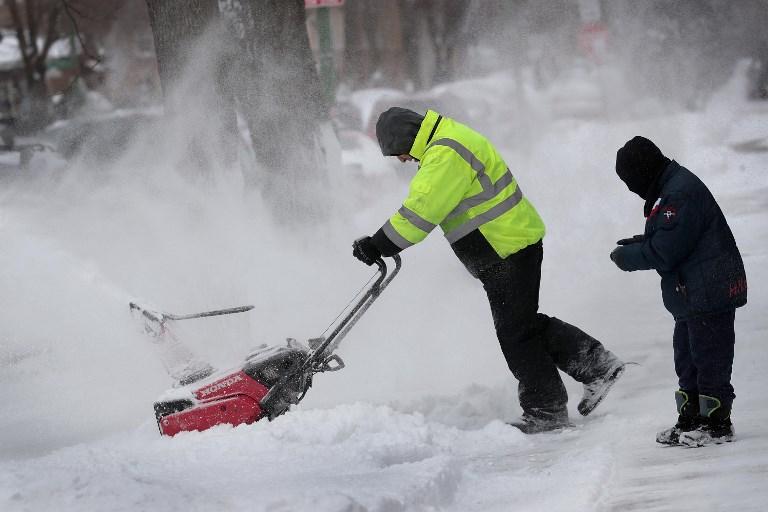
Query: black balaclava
{"type": "Point", "coordinates": [639, 164]}
{"type": "Point", "coordinates": [396, 130]}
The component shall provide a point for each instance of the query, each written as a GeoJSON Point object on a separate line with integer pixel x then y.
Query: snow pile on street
{"type": "Point", "coordinates": [417, 419]}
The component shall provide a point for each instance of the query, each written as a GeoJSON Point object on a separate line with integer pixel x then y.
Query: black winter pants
{"type": "Point", "coordinates": [704, 354]}
{"type": "Point", "coordinates": [534, 344]}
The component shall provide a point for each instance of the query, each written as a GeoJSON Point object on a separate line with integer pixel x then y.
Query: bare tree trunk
{"type": "Point", "coordinates": [446, 20]}
{"type": "Point", "coordinates": [280, 97]}
{"type": "Point", "coordinates": [193, 62]}
{"type": "Point", "coordinates": [357, 49]}
{"type": "Point", "coordinates": [411, 18]}
{"type": "Point", "coordinates": [390, 27]}
{"type": "Point", "coordinates": [36, 19]}
{"type": "Point", "coordinates": [176, 27]}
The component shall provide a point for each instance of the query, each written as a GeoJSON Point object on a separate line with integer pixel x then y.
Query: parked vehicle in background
{"type": "Point", "coordinates": [101, 137]}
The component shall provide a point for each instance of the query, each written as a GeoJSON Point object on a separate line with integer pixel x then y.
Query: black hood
{"type": "Point", "coordinates": [396, 130]}
{"type": "Point", "coordinates": [639, 163]}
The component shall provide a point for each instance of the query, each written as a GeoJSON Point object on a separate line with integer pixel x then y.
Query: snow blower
{"type": "Point", "coordinates": [266, 384]}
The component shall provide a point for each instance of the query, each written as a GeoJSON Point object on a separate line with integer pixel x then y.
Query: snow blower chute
{"type": "Point", "coordinates": [269, 381]}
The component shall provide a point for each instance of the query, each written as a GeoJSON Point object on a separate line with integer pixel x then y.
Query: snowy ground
{"type": "Point", "coordinates": [416, 420]}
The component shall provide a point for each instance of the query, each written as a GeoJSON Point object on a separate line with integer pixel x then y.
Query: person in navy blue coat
{"type": "Point", "coordinates": [688, 242]}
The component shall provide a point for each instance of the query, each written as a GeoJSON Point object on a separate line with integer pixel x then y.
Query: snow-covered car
{"type": "Point", "coordinates": [360, 154]}
{"type": "Point", "coordinates": [102, 136]}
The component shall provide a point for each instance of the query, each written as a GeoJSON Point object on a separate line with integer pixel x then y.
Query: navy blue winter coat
{"type": "Point", "coordinates": [688, 242]}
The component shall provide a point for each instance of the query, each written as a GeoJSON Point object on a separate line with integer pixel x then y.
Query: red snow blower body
{"type": "Point", "coordinates": [267, 383]}
{"type": "Point", "coordinates": [235, 396]}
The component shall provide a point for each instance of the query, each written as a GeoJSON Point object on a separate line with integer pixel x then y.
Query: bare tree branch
{"type": "Point", "coordinates": [32, 24]}
{"type": "Point", "coordinates": [22, 38]}
{"type": "Point", "coordinates": [70, 7]}
{"type": "Point", "coordinates": [51, 35]}
{"type": "Point", "coordinates": [68, 10]}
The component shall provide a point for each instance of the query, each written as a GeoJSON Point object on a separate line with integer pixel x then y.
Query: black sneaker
{"type": "Point", "coordinates": [596, 391]}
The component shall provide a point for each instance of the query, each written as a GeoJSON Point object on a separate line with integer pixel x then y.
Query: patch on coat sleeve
{"type": "Point", "coordinates": [668, 214]}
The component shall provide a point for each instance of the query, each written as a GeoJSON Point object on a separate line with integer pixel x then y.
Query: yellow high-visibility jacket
{"type": "Point", "coordinates": [463, 185]}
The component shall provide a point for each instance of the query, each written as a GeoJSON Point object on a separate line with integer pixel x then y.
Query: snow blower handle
{"type": "Point", "coordinates": [321, 358]}
{"type": "Point", "coordinates": [342, 328]}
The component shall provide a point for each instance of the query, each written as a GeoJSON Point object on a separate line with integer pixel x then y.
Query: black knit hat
{"type": "Point", "coordinates": [396, 130]}
{"type": "Point", "coordinates": [639, 163]}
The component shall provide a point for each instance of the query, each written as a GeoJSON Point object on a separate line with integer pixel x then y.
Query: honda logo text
{"type": "Point", "coordinates": [220, 385]}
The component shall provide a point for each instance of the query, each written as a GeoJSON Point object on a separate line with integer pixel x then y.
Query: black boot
{"type": "Point", "coordinates": [688, 417]}
{"type": "Point", "coordinates": [595, 391]}
{"type": "Point", "coordinates": [715, 427]}
{"type": "Point", "coordinates": [537, 421]}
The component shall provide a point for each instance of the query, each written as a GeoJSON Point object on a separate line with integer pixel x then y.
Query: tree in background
{"type": "Point", "coordinates": [252, 56]}
{"type": "Point", "coordinates": [37, 26]}
{"type": "Point", "coordinates": [684, 50]}
{"type": "Point", "coordinates": [746, 28]}
{"type": "Point", "coordinates": [280, 97]}
{"type": "Point", "coordinates": [446, 22]}
{"type": "Point", "coordinates": [194, 63]}
{"type": "Point", "coordinates": [417, 42]}
{"type": "Point", "coordinates": [375, 43]}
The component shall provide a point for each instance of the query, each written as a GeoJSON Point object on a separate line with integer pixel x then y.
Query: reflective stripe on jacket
{"type": "Point", "coordinates": [462, 185]}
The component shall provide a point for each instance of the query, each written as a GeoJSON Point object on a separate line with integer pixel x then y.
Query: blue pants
{"type": "Point", "coordinates": [704, 354]}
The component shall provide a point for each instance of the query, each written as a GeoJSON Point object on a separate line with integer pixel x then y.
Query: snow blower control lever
{"type": "Point", "coordinates": [161, 318]}
{"type": "Point", "coordinates": [321, 357]}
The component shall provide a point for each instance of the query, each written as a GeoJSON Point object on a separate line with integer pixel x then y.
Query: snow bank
{"type": "Point", "coordinates": [355, 457]}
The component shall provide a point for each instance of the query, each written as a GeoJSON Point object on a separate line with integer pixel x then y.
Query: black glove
{"type": "Point", "coordinates": [619, 257]}
{"type": "Point", "coordinates": [365, 250]}
{"type": "Point", "coordinates": [634, 240]}
{"type": "Point", "coordinates": [615, 255]}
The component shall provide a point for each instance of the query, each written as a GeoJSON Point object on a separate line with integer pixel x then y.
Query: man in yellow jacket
{"type": "Point", "coordinates": [464, 186]}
